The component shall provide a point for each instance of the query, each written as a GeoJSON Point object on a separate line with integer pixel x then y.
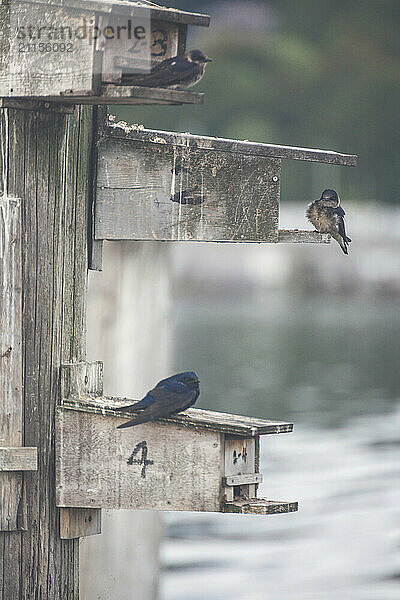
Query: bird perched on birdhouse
{"type": "Point", "coordinates": [170, 396]}
{"type": "Point", "coordinates": [327, 216]}
{"type": "Point", "coordinates": [178, 71]}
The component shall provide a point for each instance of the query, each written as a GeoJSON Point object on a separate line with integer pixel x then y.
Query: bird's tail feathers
{"type": "Point", "coordinates": [136, 421]}
{"type": "Point", "coordinates": [341, 241]}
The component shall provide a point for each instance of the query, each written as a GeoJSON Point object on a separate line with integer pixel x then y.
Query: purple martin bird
{"type": "Point", "coordinates": [327, 216]}
{"type": "Point", "coordinates": [185, 71]}
{"type": "Point", "coordinates": [170, 396]}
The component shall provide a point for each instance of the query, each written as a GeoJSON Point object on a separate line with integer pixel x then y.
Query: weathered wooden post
{"type": "Point", "coordinates": [45, 159]}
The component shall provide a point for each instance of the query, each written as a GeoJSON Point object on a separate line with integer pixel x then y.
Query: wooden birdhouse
{"type": "Point", "coordinates": [78, 52]}
{"type": "Point", "coordinates": [198, 460]}
{"type": "Point", "coordinates": [159, 185]}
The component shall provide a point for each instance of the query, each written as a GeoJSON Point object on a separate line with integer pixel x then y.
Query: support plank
{"type": "Point", "coordinates": [259, 506]}
{"type": "Point", "coordinates": [11, 417]}
{"type": "Point", "coordinates": [301, 236]}
{"type": "Point", "coordinates": [79, 522]}
{"type": "Point", "coordinates": [82, 379]}
{"type": "Point", "coordinates": [18, 459]}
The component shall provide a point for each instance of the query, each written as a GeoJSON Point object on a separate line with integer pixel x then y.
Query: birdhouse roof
{"type": "Point", "coordinates": [200, 142]}
{"type": "Point", "coordinates": [130, 8]}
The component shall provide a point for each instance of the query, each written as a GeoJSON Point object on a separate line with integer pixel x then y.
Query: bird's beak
{"type": "Point", "coordinates": [208, 60]}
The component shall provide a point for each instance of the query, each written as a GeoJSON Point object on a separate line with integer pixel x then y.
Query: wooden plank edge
{"type": "Point", "coordinates": [259, 506]}
{"type": "Point", "coordinates": [157, 12]}
{"type": "Point", "coordinates": [114, 92]}
{"type": "Point", "coordinates": [246, 479]}
{"type": "Point", "coordinates": [96, 255]}
{"type": "Point", "coordinates": [79, 522]}
{"type": "Point", "coordinates": [23, 458]}
{"type": "Point", "coordinates": [28, 103]}
{"type": "Point", "coordinates": [191, 418]}
{"type": "Point", "coordinates": [141, 134]}
{"type": "Point", "coordinates": [109, 94]}
{"type": "Point", "coordinates": [302, 236]}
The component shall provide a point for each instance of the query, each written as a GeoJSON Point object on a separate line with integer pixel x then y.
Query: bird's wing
{"type": "Point", "coordinates": [168, 404]}
{"type": "Point", "coordinates": [143, 403]}
{"type": "Point", "coordinates": [340, 214]}
{"type": "Point", "coordinates": [171, 71]}
{"type": "Point", "coordinates": [161, 391]}
{"type": "Point", "coordinates": [339, 211]}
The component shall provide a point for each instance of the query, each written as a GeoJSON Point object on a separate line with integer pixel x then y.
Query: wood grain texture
{"type": "Point", "coordinates": [96, 255]}
{"type": "Point", "coordinates": [159, 191]}
{"type": "Point", "coordinates": [18, 459]}
{"type": "Point", "coordinates": [236, 425]}
{"type": "Point", "coordinates": [240, 456]}
{"type": "Point", "coordinates": [300, 236]}
{"type": "Point", "coordinates": [188, 140]}
{"type": "Point", "coordinates": [81, 379]}
{"type": "Point", "coordinates": [246, 479]}
{"type": "Point", "coordinates": [4, 41]}
{"type": "Point", "coordinates": [32, 104]}
{"type": "Point", "coordinates": [130, 95]}
{"type": "Point", "coordinates": [11, 403]}
{"type": "Point", "coordinates": [154, 466]}
{"type": "Point", "coordinates": [37, 73]}
{"type": "Point", "coordinates": [156, 11]}
{"type": "Point", "coordinates": [79, 522]}
{"type": "Point", "coordinates": [45, 162]}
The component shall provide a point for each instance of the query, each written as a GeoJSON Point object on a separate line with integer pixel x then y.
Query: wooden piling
{"type": "Point", "coordinates": [45, 162]}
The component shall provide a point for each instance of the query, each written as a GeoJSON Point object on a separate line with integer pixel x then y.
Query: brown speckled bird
{"type": "Point", "coordinates": [327, 216]}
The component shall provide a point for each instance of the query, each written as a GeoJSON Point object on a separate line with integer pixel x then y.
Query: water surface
{"type": "Point", "coordinates": [332, 367]}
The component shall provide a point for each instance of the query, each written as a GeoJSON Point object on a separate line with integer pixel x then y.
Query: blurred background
{"type": "Point", "coordinates": [295, 332]}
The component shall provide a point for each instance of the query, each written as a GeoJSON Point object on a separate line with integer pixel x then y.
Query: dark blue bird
{"type": "Point", "coordinates": [170, 396]}
{"type": "Point", "coordinates": [185, 71]}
